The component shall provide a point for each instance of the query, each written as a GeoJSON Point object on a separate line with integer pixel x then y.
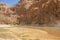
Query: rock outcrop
{"type": "Point", "coordinates": [38, 11]}
{"type": "Point", "coordinates": [7, 16]}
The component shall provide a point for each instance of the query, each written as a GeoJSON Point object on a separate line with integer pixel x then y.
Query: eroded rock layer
{"type": "Point", "coordinates": [38, 11]}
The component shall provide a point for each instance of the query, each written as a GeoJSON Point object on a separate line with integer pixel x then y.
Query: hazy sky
{"type": "Point", "coordinates": [10, 2]}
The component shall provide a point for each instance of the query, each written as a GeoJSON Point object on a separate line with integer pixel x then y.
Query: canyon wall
{"type": "Point", "coordinates": [38, 11]}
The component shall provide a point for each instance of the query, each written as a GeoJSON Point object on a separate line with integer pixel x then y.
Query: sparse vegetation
{"type": "Point", "coordinates": [24, 39]}
{"type": "Point", "coordinates": [25, 35]}
{"type": "Point", "coordinates": [2, 30]}
{"type": "Point", "coordinates": [37, 39]}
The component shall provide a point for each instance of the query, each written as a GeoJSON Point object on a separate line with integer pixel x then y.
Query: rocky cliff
{"type": "Point", "coordinates": [7, 16]}
{"type": "Point", "coordinates": [38, 11]}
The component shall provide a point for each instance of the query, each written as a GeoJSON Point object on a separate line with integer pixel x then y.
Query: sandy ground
{"type": "Point", "coordinates": [29, 33]}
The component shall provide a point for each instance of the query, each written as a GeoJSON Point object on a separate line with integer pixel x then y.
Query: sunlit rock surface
{"type": "Point", "coordinates": [41, 12]}
{"type": "Point", "coordinates": [7, 16]}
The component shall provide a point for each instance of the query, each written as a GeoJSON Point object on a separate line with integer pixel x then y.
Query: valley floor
{"type": "Point", "coordinates": [29, 33]}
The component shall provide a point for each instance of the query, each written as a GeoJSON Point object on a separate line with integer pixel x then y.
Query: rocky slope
{"type": "Point", "coordinates": [7, 16]}
{"type": "Point", "coordinates": [41, 12]}
{"type": "Point", "coordinates": [38, 11]}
